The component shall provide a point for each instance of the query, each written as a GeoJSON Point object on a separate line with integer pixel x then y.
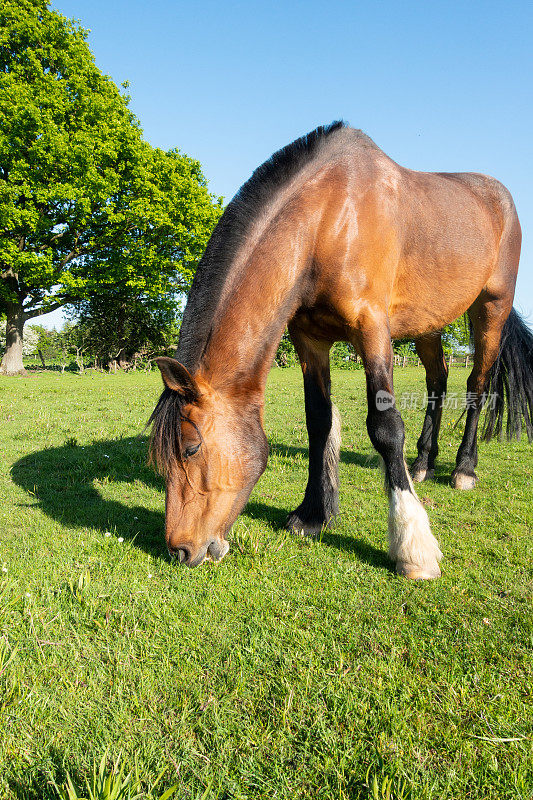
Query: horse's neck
{"type": "Point", "coordinates": [255, 308]}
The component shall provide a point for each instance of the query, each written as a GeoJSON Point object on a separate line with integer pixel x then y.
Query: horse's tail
{"type": "Point", "coordinates": [510, 382]}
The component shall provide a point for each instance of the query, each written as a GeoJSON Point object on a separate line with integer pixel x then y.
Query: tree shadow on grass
{"type": "Point", "coordinates": [66, 483]}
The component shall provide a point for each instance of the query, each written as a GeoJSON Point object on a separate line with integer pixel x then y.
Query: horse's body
{"type": "Point", "coordinates": [334, 239]}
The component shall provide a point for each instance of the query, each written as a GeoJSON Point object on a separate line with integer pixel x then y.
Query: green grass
{"type": "Point", "coordinates": [295, 668]}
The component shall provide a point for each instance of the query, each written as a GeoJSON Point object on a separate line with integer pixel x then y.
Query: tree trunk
{"type": "Point", "coordinates": [12, 360]}
{"type": "Point", "coordinates": [121, 359]}
{"type": "Point", "coordinates": [79, 360]}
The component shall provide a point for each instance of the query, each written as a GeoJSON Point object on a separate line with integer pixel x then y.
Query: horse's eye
{"type": "Point", "coordinates": [190, 451]}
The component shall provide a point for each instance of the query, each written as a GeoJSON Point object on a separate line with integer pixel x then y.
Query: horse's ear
{"type": "Point", "coordinates": [178, 378]}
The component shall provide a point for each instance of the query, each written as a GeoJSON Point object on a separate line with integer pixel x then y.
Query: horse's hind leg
{"type": "Point", "coordinates": [321, 500]}
{"type": "Point", "coordinates": [488, 317]}
{"type": "Point", "coordinates": [429, 348]}
{"type": "Point", "coordinates": [411, 544]}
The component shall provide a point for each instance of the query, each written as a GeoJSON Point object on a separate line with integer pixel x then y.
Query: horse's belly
{"type": "Point", "coordinates": [427, 302]}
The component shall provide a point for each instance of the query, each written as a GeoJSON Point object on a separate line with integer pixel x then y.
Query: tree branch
{"type": "Point", "coordinates": [73, 254]}
{"type": "Point", "coordinates": [29, 313]}
{"type": "Point", "coordinates": [54, 238]}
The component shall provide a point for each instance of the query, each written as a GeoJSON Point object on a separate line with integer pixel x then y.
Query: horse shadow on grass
{"type": "Point", "coordinates": [366, 460]}
{"type": "Point", "coordinates": [276, 516]}
{"type": "Point", "coordinates": [68, 483]}
{"type": "Point", "coordinates": [363, 550]}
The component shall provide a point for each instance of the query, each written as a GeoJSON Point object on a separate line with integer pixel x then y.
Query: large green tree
{"type": "Point", "coordinates": [119, 325]}
{"type": "Point", "coordinates": [85, 203]}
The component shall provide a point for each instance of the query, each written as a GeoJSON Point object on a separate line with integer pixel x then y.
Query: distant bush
{"type": "Point", "coordinates": [286, 354]}
{"type": "Point", "coordinates": [342, 355]}
{"type": "Point", "coordinates": [455, 339]}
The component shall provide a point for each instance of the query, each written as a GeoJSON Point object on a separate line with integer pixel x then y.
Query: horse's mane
{"type": "Point", "coordinates": [230, 233]}
{"type": "Point", "coordinates": [210, 277]}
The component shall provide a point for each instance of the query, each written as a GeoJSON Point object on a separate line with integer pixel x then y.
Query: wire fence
{"type": "Point", "coordinates": [452, 360]}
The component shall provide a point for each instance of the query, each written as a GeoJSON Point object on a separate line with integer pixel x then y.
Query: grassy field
{"type": "Point", "coordinates": [295, 668]}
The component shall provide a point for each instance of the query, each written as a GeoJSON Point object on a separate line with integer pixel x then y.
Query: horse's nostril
{"type": "Point", "coordinates": [181, 553]}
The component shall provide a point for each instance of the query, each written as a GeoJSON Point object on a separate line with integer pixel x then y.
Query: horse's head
{"type": "Point", "coordinates": [211, 448]}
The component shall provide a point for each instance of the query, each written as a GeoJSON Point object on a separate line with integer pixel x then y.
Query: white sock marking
{"type": "Point", "coordinates": [333, 448]}
{"type": "Point", "coordinates": [410, 537]}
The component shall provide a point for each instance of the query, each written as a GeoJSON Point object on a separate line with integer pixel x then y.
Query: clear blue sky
{"type": "Point", "coordinates": [438, 85]}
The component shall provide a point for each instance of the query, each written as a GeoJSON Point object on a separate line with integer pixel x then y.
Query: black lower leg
{"type": "Point", "coordinates": [427, 444]}
{"type": "Point", "coordinates": [432, 356]}
{"type": "Point", "coordinates": [321, 500]}
{"type": "Point", "coordinates": [464, 476]}
{"type": "Point", "coordinates": [386, 431]}
{"type": "Point", "coordinates": [488, 315]}
{"type": "Point", "coordinates": [466, 460]}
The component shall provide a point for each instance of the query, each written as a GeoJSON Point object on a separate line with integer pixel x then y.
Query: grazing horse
{"type": "Point", "coordinates": [337, 241]}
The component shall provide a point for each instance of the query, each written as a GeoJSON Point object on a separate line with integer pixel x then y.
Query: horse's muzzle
{"type": "Point", "coordinates": [214, 550]}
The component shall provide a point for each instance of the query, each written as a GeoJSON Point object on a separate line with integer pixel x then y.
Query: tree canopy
{"type": "Point", "coordinates": [85, 203]}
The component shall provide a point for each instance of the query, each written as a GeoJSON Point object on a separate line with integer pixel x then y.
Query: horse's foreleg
{"type": "Point", "coordinates": [429, 348]}
{"type": "Point", "coordinates": [411, 544]}
{"type": "Point", "coordinates": [321, 500]}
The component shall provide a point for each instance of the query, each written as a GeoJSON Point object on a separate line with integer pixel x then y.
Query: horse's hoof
{"type": "Point", "coordinates": [300, 528]}
{"type": "Point", "coordinates": [460, 480]}
{"type": "Point", "coordinates": [416, 573]}
{"type": "Point", "coordinates": [421, 475]}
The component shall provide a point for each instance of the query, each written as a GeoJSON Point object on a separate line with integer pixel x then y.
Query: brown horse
{"type": "Point", "coordinates": [337, 241]}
